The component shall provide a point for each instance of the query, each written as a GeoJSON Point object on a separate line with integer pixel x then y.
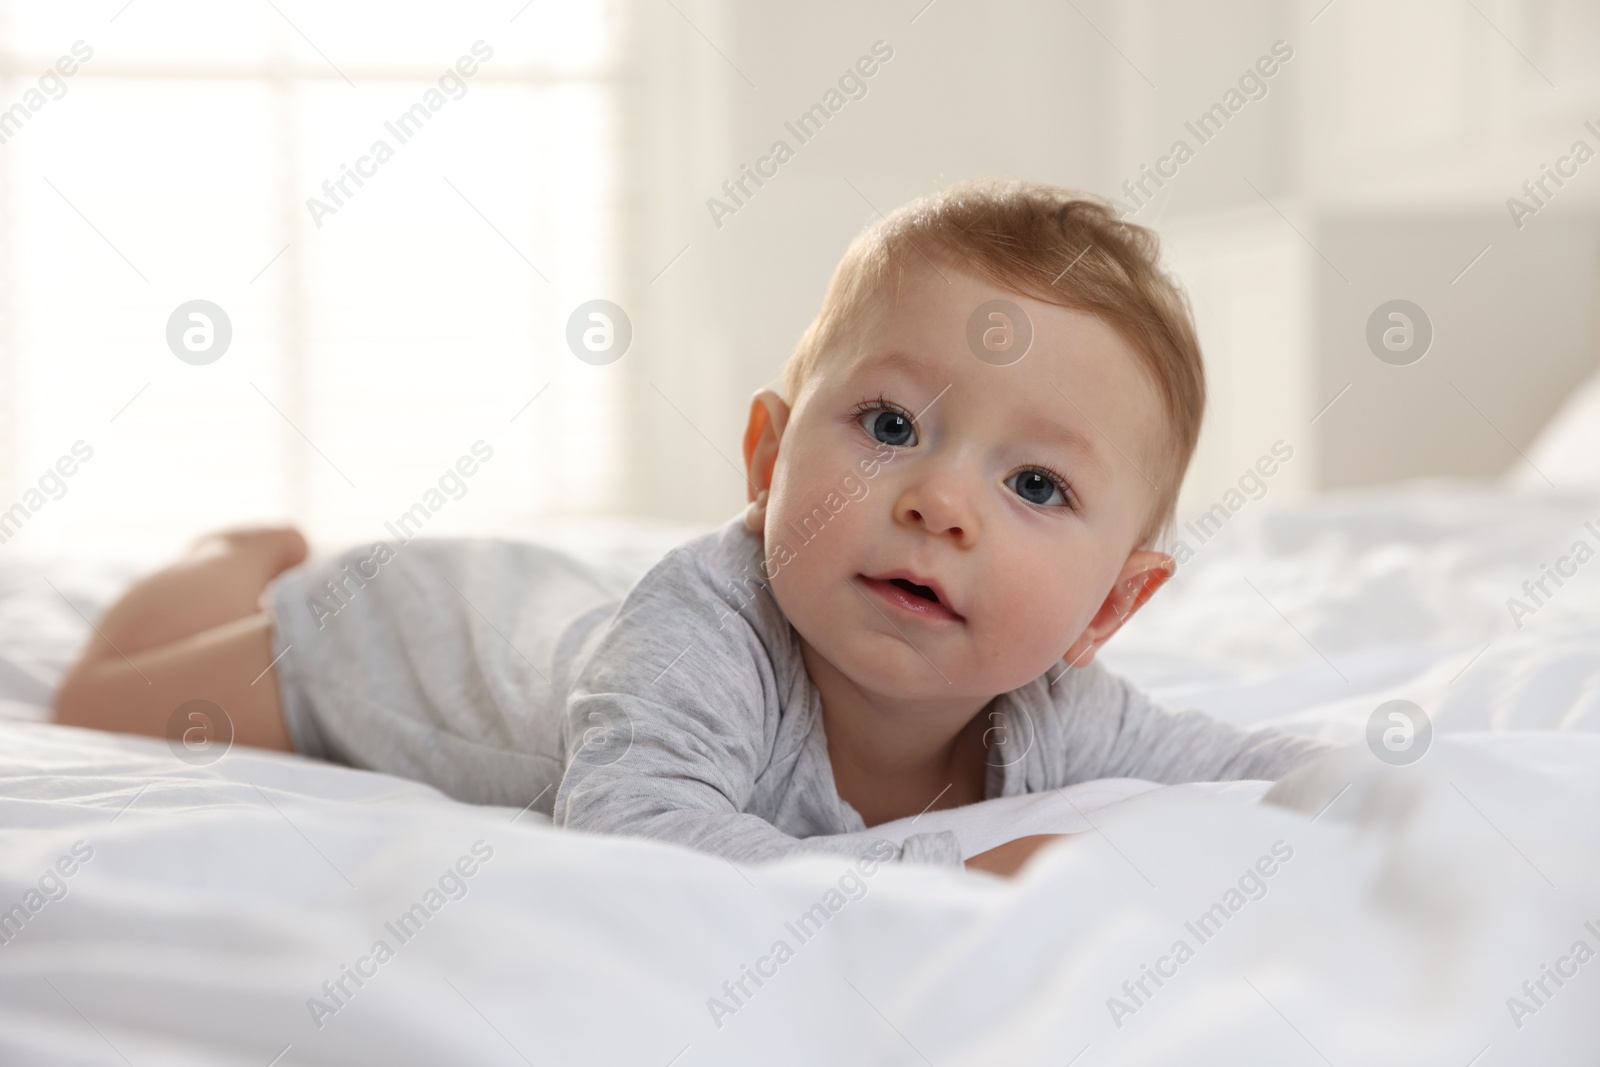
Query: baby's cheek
{"type": "Point", "coordinates": [797, 572]}
{"type": "Point", "coordinates": [1033, 624]}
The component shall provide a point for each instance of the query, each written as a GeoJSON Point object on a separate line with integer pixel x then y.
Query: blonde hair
{"type": "Point", "coordinates": [1063, 247]}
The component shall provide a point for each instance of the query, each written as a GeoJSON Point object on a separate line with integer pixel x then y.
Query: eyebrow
{"type": "Point", "coordinates": [1053, 430]}
{"type": "Point", "coordinates": [895, 359]}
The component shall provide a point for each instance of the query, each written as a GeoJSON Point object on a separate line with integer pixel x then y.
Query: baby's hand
{"type": "Point", "coordinates": [1008, 859]}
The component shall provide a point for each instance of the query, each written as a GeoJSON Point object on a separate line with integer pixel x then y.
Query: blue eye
{"type": "Point", "coordinates": [890, 427]}
{"type": "Point", "coordinates": [1037, 487]}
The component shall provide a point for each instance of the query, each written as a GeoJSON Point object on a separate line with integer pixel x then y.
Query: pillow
{"type": "Point", "coordinates": [1567, 450]}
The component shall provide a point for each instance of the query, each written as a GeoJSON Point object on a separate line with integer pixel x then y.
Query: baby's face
{"type": "Point", "coordinates": [942, 528]}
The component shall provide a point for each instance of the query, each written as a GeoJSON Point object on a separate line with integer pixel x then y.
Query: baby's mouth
{"type": "Point", "coordinates": [912, 587]}
{"type": "Point", "coordinates": [910, 596]}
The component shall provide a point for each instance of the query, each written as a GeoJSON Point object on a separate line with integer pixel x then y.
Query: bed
{"type": "Point", "coordinates": [269, 910]}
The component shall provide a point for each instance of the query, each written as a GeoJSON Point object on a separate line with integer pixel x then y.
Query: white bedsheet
{"type": "Point", "coordinates": [218, 900]}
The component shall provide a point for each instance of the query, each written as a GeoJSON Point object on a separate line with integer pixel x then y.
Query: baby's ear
{"type": "Point", "coordinates": [1140, 577]}
{"type": "Point", "coordinates": [769, 415]}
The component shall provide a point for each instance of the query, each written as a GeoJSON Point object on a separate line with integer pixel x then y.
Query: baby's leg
{"type": "Point", "coordinates": [194, 630]}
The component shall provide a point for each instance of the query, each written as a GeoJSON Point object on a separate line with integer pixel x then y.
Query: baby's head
{"type": "Point", "coordinates": [979, 443]}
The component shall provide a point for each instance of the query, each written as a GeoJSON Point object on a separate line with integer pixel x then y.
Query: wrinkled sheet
{"type": "Point", "coordinates": [1411, 914]}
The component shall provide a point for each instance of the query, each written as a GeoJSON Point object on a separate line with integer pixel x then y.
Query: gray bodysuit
{"type": "Point", "coordinates": [679, 709]}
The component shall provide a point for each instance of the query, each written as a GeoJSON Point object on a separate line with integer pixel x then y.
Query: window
{"type": "Point", "coordinates": [396, 206]}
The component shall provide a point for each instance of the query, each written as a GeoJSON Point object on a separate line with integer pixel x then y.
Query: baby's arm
{"type": "Point", "coordinates": [674, 732]}
{"type": "Point", "coordinates": [1110, 729]}
{"type": "Point", "coordinates": [672, 771]}
{"type": "Point", "coordinates": [652, 770]}
{"type": "Point", "coordinates": [1103, 727]}
{"type": "Point", "coordinates": [1009, 858]}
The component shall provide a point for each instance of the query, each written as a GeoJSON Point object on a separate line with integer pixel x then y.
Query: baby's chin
{"type": "Point", "coordinates": [893, 670]}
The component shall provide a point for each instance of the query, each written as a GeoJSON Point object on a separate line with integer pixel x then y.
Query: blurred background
{"type": "Point", "coordinates": [1397, 150]}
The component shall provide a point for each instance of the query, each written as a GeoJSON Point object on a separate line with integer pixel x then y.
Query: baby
{"type": "Point", "coordinates": [953, 504]}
